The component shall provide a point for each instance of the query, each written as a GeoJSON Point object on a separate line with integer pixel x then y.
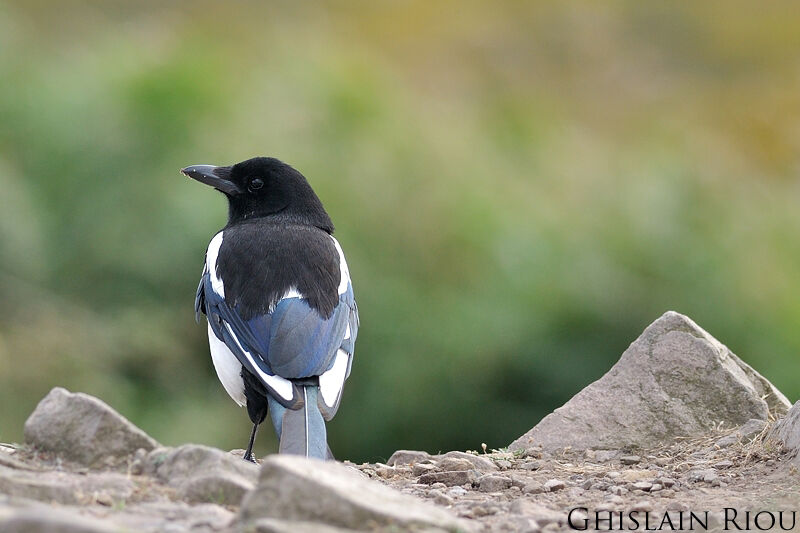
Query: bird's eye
{"type": "Point", "coordinates": [256, 184]}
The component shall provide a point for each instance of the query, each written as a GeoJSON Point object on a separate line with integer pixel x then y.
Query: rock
{"type": "Point", "coordinates": [787, 431]}
{"type": "Point", "coordinates": [630, 459]}
{"type": "Point", "coordinates": [642, 485]}
{"type": "Point", "coordinates": [407, 457]}
{"type": "Point", "coordinates": [750, 430]}
{"type": "Point", "coordinates": [422, 468]}
{"type": "Point", "coordinates": [455, 477]}
{"type": "Point", "coordinates": [603, 456]}
{"type": "Point", "coordinates": [64, 487]}
{"type": "Point", "coordinates": [82, 428]}
{"type": "Point", "coordinates": [298, 488]}
{"type": "Point", "coordinates": [554, 485]}
{"type": "Point", "coordinates": [674, 380]}
{"type": "Point", "coordinates": [493, 483]}
{"type": "Point", "coordinates": [480, 463]}
{"type": "Point", "coordinates": [532, 465]}
{"type": "Point", "coordinates": [203, 474]}
{"type": "Point", "coordinates": [534, 487]}
{"type": "Point", "coordinates": [52, 520]}
{"type": "Point", "coordinates": [450, 464]}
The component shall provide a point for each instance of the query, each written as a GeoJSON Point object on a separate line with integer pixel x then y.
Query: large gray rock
{"type": "Point", "coordinates": [787, 431]}
{"type": "Point", "coordinates": [203, 474]}
{"type": "Point", "coordinates": [82, 428]}
{"type": "Point", "coordinates": [297, 488]}
{"type": "Point", "coordinates": [674, 380]}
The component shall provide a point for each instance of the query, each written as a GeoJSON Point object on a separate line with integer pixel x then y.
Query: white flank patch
{"type": "Point", "coordinates": [332, 380]}
{"type": "Point", "coordinates": [347, 331]}
{"type": "Point", "coordinates": [211, 264]}
{"type": "Point", "coordinates": [278, 384]}
{"type": "Point", "coordinates": [228, 368]}
{"type": "Point", "coordinates": [344, 278]}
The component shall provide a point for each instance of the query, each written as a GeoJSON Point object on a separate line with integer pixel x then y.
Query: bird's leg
{"type": "Point", "coordinates": [248, 455]}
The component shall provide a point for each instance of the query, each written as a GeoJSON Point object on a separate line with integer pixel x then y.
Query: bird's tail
{"type": "Point", "coordinates": [301, 431]}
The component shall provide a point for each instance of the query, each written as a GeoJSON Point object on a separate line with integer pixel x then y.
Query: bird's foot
{"type": "Point", "coordinates": [250, 458]}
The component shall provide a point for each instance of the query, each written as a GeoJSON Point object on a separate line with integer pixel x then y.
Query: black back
{"type": "Point", "coordinates": [262, 258]}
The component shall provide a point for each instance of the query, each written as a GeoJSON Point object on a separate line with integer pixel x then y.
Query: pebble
{"type": "Point", "coordinates": [630, 459]}
{"type": "Point", "coordinates": [667, 482]}
{"type": "Point", "coordinates": [422, 468]}
{"type": "Point", "coordinates": [493, 483]}
{"type": "Point", "coordinates": [532, 465]}
{"type": "Point", "coordinates": [723, 464]}
{"type": "Point", "coordinates": [457, 477]}
{"type": "Point", "coordinates": [711, 477]}
{"type": "Point", "coordinates": [617, 490]}
{"type": "Point", "coordinates": [534, 487]}
{"type": "Point", "coordinates": [451, 464]}
{"type": "Point", "coordinates": [553, 485]}
{"type": "Point", "coordinates": [440, 498]}
{"type": "Point", "coordinates": [439, 486]}
{"type": "Point", "coordinates": [457, 491]}
{"type": "Point", "coordinates": [656, 487]}
{"type": "Point", "coordinates": [613, 474]}
{"type": "Point", "coordinates": [642, 485]}
{"type": "Point", "coordinates": [503, 464]}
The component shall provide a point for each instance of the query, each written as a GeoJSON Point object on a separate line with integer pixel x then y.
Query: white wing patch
{"type": "Point", "coordinates": [331, 381]}
{"type": "Point", "coordinates": [228, 368]}
{"type": "Point", "coordinates": [280, 385]}
{"type": "Point", "coordinates": [344, 278]}
{"type": "Point", "coordinates": [211, 264]}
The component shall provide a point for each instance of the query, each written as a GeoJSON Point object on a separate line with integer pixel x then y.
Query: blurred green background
{"type": "Point", "coordinates": [520, 188]}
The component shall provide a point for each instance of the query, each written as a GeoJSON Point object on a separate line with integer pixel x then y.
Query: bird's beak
{"type": "Point", "coordinates": [217, 177]}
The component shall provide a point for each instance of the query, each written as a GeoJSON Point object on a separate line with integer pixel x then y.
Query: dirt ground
{"type": "Point", "coordinates": [537, 490]}
{"type": "Point", "coordinates": [529, 490]}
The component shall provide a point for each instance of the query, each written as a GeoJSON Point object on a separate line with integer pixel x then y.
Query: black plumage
{"type": "Point", "coordinates": [276, 291]}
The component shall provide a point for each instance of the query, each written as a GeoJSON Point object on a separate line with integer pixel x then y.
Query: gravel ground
{"type": "Point", "coordinates": [533, 490]}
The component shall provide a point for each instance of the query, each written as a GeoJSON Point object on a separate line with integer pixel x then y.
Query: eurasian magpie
{"type": "Point", "coordinates": [276, 293]}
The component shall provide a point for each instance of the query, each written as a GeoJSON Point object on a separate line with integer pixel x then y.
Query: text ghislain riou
{"type": "Point", "coordinates": [581, 519]}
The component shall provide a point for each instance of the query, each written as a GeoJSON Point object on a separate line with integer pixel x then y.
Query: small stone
{"type": "Point", "coordinates": [667, 482]}
{"type": "Point", "coordinates": [439, 486]}
{"type": "Point", "coordinates": [503, 464]}
{"type": "Point", "coordinates": [613, 474]}
{"type": "Point", "coordinates": [493, 483]}
{"type": "Point", "coordinates": [656, 487]}
{"type": "Point", "coordinates": [103, 498]}
{"type": "Point", "coordinates": [440, 498]}
{"type": "Point", "coordinates": [406, 457]}
{"type": "Point", "coordinates": [456, 477]}
{"type": "Point", "coordinates": [617, 490]}
{"type": "Point", "coordinates": [451, 464]}
{"type": "Point", "coordinates": [723, 464]}
{"type": "Point", "coordinates": [554, 485]}
{"type": "Point", "coordinates": [534, 487]}
{"type": "Point", "coordinates": [422, 468]}
{"type": "Point", "coordinates": [661, 461]}
{"type": "Point", "coordinates": [710, 477]}
{"type": "Point", "coordinates": [642, 485]}
{"type": "Point", "coordinates": [604, 456]}
{"type": "Point", "coordinates": [533, 453]}
{"type": "Point", "coordinates": [457, 492]}
{"type": "Point", "coordinates": [588, 484]}
{"type": "Point", "coordinates": [385, 472]}
{"type": "Point", "coordinates": [480, 463]}
{"type": "Point", "coordinates": [532, 465]}
{"type": "Point", "coordinates": [518, 481]}
{"type": "Point", "coordinates": [630, 459]}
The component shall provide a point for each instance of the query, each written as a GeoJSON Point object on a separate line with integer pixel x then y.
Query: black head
{"type": "Point", "coordinates": [264, 187]}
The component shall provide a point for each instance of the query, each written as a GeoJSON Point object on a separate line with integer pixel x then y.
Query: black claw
{"type": "Point", "coordinates": [249, 458]}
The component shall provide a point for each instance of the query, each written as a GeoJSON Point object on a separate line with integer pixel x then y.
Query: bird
{"type": "Point", "coordinates": [277, 297]}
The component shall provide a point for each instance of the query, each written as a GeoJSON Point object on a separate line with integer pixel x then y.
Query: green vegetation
{"type": "Point", "coordinates": [519, 190]}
